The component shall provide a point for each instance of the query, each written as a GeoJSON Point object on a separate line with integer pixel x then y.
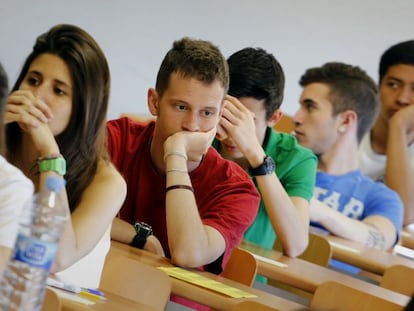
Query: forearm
{"type": "Point", "coordinates": [352, 229]}
{"type": "Point", "coordinates": [188, 238]}
{"type": "Point", "coordinates": [91, 220]}
{"type": "Point", "coordinates": [122, 231]}
{"type": "Point", "coordinates": [290, 222]}
{"type": "Point", "coordinates": [399, 175]}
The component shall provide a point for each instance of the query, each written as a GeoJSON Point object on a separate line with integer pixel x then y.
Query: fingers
{"type": "Point", "coordinates": [221, 133]}
{"type": "Point", "coordinates": [234, 111]}
{"type": "Point", "coordinates": [24, 108]}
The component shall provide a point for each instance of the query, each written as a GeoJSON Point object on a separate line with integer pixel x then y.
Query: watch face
{"type": "Point", "coordinates": [269, 165]}
{"type": "Point", "coordinates": [143, 229]}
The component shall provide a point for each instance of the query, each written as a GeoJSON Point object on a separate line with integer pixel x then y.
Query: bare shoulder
{"type": "Point", "coordinates": [106, 173]}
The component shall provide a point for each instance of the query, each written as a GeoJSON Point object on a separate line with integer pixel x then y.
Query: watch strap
{"type": "Point", "coordinates": [139, 241]}
{"type": "Point", "coordinates": [57, 165]}
{"type": "Point", "coordinates": [267, 167]}
{"type": "Point", "coordinates": [142, 232]}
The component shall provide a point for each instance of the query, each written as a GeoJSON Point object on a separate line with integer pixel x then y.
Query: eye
{"type": "Point", "coordinates": [59, 91]}
{"type": "Point", "coordinates": [393, 84]}
{"type": "Point", "coordinates": [207, 113]}
{"type": "Point", "coordinates": [31, 80]}
{"type": "Point", "coordinates": [181, 107]}
{"type": "Point", "coordinates": [310, 107]}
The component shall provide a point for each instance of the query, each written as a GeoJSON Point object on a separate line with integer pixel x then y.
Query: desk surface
{"type": "Point", "coordinates": [307, 276]}
{"type": "Point", "coordinates": [202, 295]}
{"type": "Point", "coordinates": [112, 302]}
{"type": "Point", "coordinates": [372, 260]}
{"type": "Point", "coordinates": [407, 239]}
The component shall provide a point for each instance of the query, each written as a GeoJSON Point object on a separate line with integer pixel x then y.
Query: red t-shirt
{"type": "Point", "coordinates": [226, 197]}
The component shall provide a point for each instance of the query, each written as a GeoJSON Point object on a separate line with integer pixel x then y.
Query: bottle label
{"type": "Point", "coordinates": [35, 252]}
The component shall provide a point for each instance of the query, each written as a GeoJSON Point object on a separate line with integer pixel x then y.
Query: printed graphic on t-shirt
{"type": "Point", "coordinates": [349, 206]}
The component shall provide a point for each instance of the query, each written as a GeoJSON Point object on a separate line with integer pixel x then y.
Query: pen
{"type": "Point", "coordinates": [92, 293]}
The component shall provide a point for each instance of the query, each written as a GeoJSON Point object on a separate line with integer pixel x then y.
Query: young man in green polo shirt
{"type": "Point", "coordinates": [283, 171]}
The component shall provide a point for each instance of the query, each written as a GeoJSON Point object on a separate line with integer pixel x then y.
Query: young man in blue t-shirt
{"type": "Point", "coordinates": [338, 105]}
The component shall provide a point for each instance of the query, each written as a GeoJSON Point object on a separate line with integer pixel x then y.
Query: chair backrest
{"type": "Point", "coordinates": [249, 305]}
{"type": "Point", "coordinates": [335, 296]}
{"type": "Point", "coordinates": [241, 267]}
{"type": "Point", "coordinates": [319, 250]}
{"type": "Point", "coordinates": [285, 124]}
{"type": "Point", "coordinates": [399, 278]}
{"type": "Point", "coordinates": [51, 301]}
{"type": "Point", "coordinates": [136, 281]}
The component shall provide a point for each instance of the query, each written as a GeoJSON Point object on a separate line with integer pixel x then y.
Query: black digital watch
{"type": "Point", "coordinates": [142, 232]}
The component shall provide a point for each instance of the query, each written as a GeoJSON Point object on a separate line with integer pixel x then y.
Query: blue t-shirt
{"type": "Point", "coordinates": [357, 196]}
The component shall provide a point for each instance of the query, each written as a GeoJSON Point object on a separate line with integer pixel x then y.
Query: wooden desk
{"type": "Point", "coordinates": [307, 276]}
{"type": "Point", "coordinates": [112, 302]}
{"type": "Point", "coordinates": [203, 295]}
{"type": "Point", "coordinates": [407, 239]}
{"type": "Point", "coordinates": [369, 259]}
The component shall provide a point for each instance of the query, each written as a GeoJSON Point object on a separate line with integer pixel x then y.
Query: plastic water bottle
{"type": "Point", "coordinates": [24, 279]}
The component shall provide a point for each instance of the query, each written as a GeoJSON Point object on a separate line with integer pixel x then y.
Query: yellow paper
{"type": "Point", "coordinates": [205, 282]}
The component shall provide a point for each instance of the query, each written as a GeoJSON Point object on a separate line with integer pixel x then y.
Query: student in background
{"type": "Point", "coordinates": [196, 204]}
{"type": "Point", "coordinates": [337, 107]}
{"type": "Point", "coordinates": [56, 115]}
{"type": "Point", "coordinates": [386, 152]}
{"type": "Point", "coordinates": [283, 171]}
{"type": "Point", "coordinates": [15, 188]}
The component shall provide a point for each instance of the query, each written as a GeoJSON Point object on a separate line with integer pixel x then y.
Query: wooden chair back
{"type": "Point", "coordinates": [241, 267]}
{"type": "Point", "coordinates": [319, 250]}
{"type": "Point", "coordinates": [399, 278]}
{"type": "Point", "coordinates": [285, 124]}
{"type": "Point", "coordinates": [51, 301]}
{"type": "Point", "coordinates": [250, 305]}
{"type": "Point", "coordinates": [136, 281]}
{"type": "Point", "coordinates": [335, 296]}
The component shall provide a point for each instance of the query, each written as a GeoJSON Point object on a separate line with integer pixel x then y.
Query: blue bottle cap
{"type": "Point", "coordinates": [55, 184]}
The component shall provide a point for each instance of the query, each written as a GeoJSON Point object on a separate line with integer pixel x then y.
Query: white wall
{"type": "Point", "coordinates": [135, 35]}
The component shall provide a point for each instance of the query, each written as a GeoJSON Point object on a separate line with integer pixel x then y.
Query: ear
{"type": "Point", "coordinates": [348, 119]}
{"type": "Point", "coordinates": [152, 101]}
{"type": "Point", "coordinates": [275, 117]}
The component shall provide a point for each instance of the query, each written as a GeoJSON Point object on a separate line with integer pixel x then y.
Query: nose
{"type": "Point", "coordinates": [405, 96]}
{"type": "Point", "coordinates": [297, 118]}
{"type": "Point", "coordinates": [190, 122]}
{"type": "Point", "coordinates": [40, 92]}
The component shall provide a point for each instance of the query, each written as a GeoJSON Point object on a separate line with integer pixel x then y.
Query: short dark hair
{"type": "Point", "coordinates": [256, 73]}
{"type": "Point", "coordinates": [350, 89]}
{"type": "Point", "coordinates": [4, 89]}
{"type": "Point", "coordinates": [193, 58]}
{"type": "Point", "coordinates": [400, 53]}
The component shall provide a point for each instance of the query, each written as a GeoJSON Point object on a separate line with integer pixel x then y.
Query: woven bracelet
{"type": "Point", "coordinates": [177, 170]}
{"type": "Point", "coordinates": [176, 153]}
{"type": "Point", "coordinates": [50, 157]}
{"type": "Point", "coordinates": [185, 187]}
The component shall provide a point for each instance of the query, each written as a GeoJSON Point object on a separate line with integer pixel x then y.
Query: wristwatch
{"type": "Point", "coordinates": [57, 165]}
{"type": "Point", "coordinates": [143, 231]}
{"type": "Point", "coordinates": [266, 168]}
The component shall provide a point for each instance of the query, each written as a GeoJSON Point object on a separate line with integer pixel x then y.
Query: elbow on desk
{"type": "Point", "coordinates": [187, 259]}
{"type": "Point", "coordinates": [297, 249]}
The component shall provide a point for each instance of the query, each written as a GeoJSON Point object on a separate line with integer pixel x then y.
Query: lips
{"type": "Point", "coordinates": [298, 133]}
